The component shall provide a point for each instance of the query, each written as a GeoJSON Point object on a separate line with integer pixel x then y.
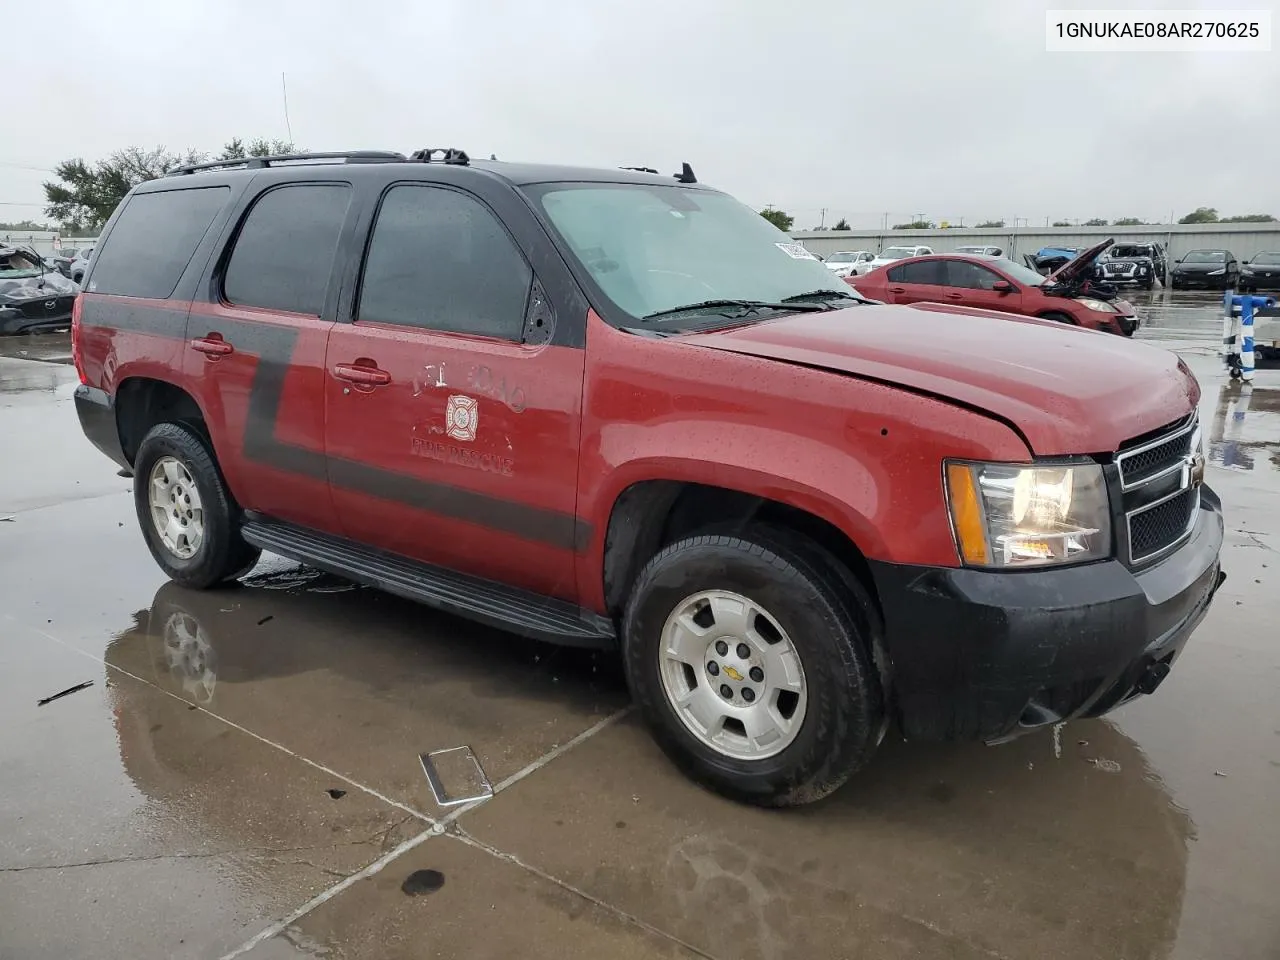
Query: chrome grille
{"type": "Point", "coordinates": [1160, 478]}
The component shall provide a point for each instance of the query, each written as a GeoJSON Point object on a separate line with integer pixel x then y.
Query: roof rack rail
{"type": "Point", "coordinates": [640, 169]}
{"type": "Point", "coordinates": [450, 155]}
{"type": "Point", "coordinates": [258, 163]}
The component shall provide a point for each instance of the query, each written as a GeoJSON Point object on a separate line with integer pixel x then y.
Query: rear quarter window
{"type": "Point", "coordinates": [153, 241]}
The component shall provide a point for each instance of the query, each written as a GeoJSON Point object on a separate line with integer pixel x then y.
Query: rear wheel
{"type": "Point", "coordinates": [188, 518]}
{"type": "Point", "coordinates": [750, 661]}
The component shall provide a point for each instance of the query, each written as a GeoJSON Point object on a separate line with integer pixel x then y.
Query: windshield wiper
{"type": "Point", "coordinates": [823, 295]}
{"type": "Point", "coordinates": [743, 307]}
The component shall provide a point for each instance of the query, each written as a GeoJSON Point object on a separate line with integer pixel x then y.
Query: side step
{"type": "Point", "coordinates": [497, 605]}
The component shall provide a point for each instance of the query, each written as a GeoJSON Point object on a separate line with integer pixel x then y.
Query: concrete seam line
{"type": "Point", "coordinates": [231, 723]}
{"type": "Point", "coordinates": [280, 925]}
{"type": "Point", "coordinates": [436, 830]}
{"type": "Point", "coordinates": [463, 837]}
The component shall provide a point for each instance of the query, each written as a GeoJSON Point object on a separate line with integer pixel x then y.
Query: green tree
{"type": "Point", "coordinates": [1249, 218]}
{"type": "Point", "coordinates": [1062, 223]}
{"type": "Point", "coordinates": [915, 225]}
{"type": "Point", "coordinates": [779, 218]}
{"type": "Point", "coordinates": [842, 224]}
{"type": "Point", "coordinates": [1127, 222]}
{"type": "Point", "coordinates": [1201, 215]}
{"type": "Point", "coordinates": [1095, 222]}
{"type": "Point", "coordinates": [83, 196]}
{"type": "Point", "coordinates": [990, 224]}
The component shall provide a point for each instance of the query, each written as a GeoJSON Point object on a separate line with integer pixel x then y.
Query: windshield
{"type": "Point", "coordinates": [15, 265]}
{"type": "Point", "coordinates": [654, 248]}
{"type": "Point", "coordinates": [1018, 272]}
{"type": "Point", "coordinates": [1271, 258]}
{"type": "Point", "coordinates": [1205, 256]}
{"type": "Point", "coordinates": [842, 258]}
{"type": "Point", "coordinates": [1122, 253]}
{"type": "Point", "coordinates": [897, 253]}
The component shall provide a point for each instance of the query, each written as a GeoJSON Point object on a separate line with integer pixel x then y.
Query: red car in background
{"type": "Point", "coordinates": [1068, 295]}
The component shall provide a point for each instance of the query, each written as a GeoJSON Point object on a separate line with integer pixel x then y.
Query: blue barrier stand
{"type": "Point", "coordinates": [1240, 362]}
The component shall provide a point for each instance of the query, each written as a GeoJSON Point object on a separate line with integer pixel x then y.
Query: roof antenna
{"type": "Point", "coordinates": [493, 156]}
{"type": "Point", "coordinates": [686, 174]}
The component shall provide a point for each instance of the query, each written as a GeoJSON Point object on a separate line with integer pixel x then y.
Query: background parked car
{"type": "Point", "coordinates": [80, 265]}
{"type": "Point", "coordinates": [981, 251]}
{"type": "Point", "coordinates": [994, 283]}
{"type": "Point", "coordinates": [1262, 272]}
{"type": "Point", "coordinates": [890, 254]}
{"type": "Point", "coordinates": [32, 297]}
{"type": "Point", "coordinates": [1138, 263]}
{"type": "Point", "coordinates": [1048, 259]}
{"type": "Point", "coordinates": [62, 258]}
{"type": "Point", "coordinates": [850, 262]}
{"type": "Point", "coordinates": [1215, 269]}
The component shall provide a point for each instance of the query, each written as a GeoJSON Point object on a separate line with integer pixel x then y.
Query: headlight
{"type": "Point", "coordinates": [1217, 273]}
{"type": "Point", "coordinates": [1101, 306]}
{"type": "Point", "coordinates": [1248, 270]}
{"type": "Point", "coordinates": [1011, 515]}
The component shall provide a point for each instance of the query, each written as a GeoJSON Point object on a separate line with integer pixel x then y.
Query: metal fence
{"type": "Point", "coordinates": [1244, 240]}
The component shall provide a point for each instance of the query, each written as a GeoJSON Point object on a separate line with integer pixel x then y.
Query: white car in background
{"type": "Point", "coordinates": [981, 251]}
{"type": "Point", "coordinates": [850, 263]}
{"type": "Point", "coordinates": [890, 254]}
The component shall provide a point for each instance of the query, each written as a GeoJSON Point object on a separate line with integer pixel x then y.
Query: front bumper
{"type": "Point", "coordinates": [1257, 281]}
{"type": "Point", "coordinates": [16, 318]}
{"type": "Point", "coordinates": [1128, 323]}
{"type": "Point", "coordinates": [97, 413]}
{"type": "Point", "coordinates": [1199, 280]}
{"type": "Point", "coordinates": [980, 655]}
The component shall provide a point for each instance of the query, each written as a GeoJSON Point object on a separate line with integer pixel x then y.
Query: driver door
{"type": "Point", "coordinates": [972, 285]}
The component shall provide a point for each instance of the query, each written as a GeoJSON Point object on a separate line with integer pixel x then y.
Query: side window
{"type": "Point", "coordinates": [153, 241]}
{"type": "Point", "coordinates": [962, 273]}
{"type": "Point", "coordinates": [284, 253]}
{"type": "Point", "coordinates": [439, 259]}
{"type": "Point", "coordinates": [918, 271]}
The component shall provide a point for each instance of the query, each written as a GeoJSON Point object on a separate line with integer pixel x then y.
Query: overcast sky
{"type": "Point", "coordinates": [951, 108]}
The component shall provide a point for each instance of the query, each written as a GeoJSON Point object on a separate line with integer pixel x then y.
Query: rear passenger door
{"type": "Point", "coordinates": [256, 349]}
{"type": "Point", "coordinates": [915, 281]}
{"type": "Point", "coordinates": [452, 428]}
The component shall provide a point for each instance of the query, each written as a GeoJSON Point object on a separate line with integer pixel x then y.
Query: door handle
{"type": "Point", "coordinates": [897, 289]}
{"type": "Point", "coordinates": [955, 296]}
{"type": "Point", "coordinates": [212, 346]}
{"type": "Point", "coordinates": [359, 373]}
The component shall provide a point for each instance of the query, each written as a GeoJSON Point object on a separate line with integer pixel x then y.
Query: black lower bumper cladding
{"type": "Point", "coordinates": [981, 655]}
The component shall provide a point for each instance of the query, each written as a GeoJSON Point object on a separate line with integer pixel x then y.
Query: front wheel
{"type": "Point", "coordinates": [750, 661]}
{"type": "Point", "coordinates": [187, 515]}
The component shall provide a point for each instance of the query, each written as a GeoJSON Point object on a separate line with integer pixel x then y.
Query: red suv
{"type": "Point", "coordinates": [1067, 295]}
{"type": "Point", "coordinates": [611, 408]}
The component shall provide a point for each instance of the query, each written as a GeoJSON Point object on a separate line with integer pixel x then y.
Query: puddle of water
{"type": "Point", "coordinates": [1245, 432]}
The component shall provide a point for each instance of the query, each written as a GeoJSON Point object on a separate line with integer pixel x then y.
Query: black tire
{"type": "Point", "coordinates": [833, 630]}
{"type": "Point", "coordinates": [222, 554]}
{"type": "Point", "coordinates": [1057, 317]}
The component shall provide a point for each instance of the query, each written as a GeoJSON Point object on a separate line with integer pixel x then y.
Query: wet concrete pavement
{"type": "Point", "coordinates": [241, 779]}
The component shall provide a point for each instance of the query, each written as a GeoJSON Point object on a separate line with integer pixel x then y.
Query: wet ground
{"type": "Point", "coordinates": [242, 777]}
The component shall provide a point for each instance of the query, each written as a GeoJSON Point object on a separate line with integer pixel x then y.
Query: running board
{"type": "Point", "coordinates": [484, 601]}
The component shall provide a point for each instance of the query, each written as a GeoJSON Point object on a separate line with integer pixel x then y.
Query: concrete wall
{"type": "Point", "coordinates": [1242, 239]}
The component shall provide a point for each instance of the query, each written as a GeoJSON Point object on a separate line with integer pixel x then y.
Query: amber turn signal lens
{"type": "Point", "coordinates": [966, 514]}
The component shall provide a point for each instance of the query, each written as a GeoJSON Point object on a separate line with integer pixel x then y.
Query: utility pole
{"type": "Point", "coordinates": [822, 224]}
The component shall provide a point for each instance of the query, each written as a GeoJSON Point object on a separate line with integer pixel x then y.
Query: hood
{"type": "Point", "coordinates": [1067, 390]}
{"type": "Point", "coordinates": [1079, 267]}
{"type": "Point", "coordinates": [23, 289]}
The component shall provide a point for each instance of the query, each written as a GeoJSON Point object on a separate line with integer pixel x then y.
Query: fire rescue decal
{"type": "Point", "coordinates": [462, 417]}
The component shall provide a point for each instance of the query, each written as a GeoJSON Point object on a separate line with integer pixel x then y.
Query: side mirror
{"type": "Point", "coordinates": [1002, 286]}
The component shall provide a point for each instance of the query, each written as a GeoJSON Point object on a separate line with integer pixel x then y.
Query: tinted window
{"type": "Point", "coordinates": [918, 271]}
{"type": "Point", "coordinates": [962, 273]}
{"type": "Point", "coordinates": [440, 259]}
{"type": "Point", "coordinates": [153, 241]}
{"type": "Point", "coordinates": [1206, 256]}
{"type": "Point", "coordinates": [284, 253]}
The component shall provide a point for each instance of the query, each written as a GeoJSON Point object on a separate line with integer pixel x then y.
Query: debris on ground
{"type": "Point", "coordinates": [1218, 773]}
{"type": "Point", "coordinates": [336, 794]}
{"type": "Point", "coordinates": [455, 776]}
{"type": "Point", "coordinates": [65, 693]}
{"type": "Point", "coordinates": [8, 518]}
{"type": "Point", "coordinates": [1057, 740]}
{"type": "Point", "coordinates": [1106, 766]}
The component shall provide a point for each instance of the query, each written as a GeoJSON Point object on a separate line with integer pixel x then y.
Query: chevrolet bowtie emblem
{"type": "Point", "coordinates": [733, 674]}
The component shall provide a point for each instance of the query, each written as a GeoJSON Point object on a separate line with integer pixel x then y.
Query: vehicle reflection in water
{"type": "Point", "coordinates": [1246, 427]}
{"type": "Point", "coordinates": [1019, 844]}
